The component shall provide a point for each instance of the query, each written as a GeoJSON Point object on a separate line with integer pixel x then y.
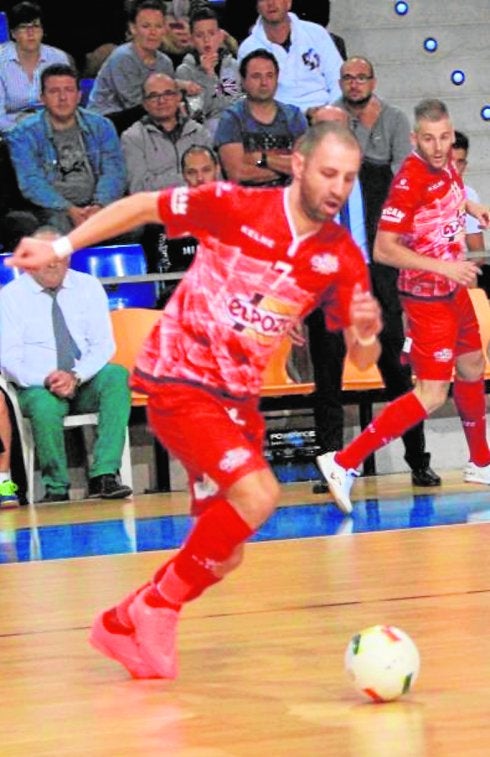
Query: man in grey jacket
{"type": "Point", "coordinates": [154, 145]}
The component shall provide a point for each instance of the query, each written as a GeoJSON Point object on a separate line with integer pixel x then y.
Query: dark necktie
{"type": "Point", "coordinates": [345, 215]}
{"type": "Point", "coordinates": [66, 348]}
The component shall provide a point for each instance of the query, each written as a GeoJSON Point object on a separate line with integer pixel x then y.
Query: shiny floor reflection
{"type": "Point", "coordinates": [132, 534]}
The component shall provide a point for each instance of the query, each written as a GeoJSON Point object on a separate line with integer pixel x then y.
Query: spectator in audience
{"type": "Point", "coordinates": [153, 146]}
{"type": "Point", "coordinates": [212, 67]}
{"type": "Point", "coordinates": [21, 64]}
{"type": "Point", "coordinates": [474, 235]}
{"type": "Point", "coordinates": [309, 62]}
{"type": "Point", "coordinates": [176, 41]}
{"type": "Point", "coordinates": [68, 161]}
{"type": "Point", "coordinates": [199, 165]}
{"type": "Point", "coordinates": [255, 136]}
{"type": "Point", "coordinates": [319, 13]}
{"type": "Point", "coordinates": [475, 240]}
{"type": "Point", "coordinates": [118, 86]}
{"type": "Point", "coordinates": [326, 348]}
{"type": "Point", "coordinates": [56, 343]}
{"type": "Point", "coordinates": [382, 129]}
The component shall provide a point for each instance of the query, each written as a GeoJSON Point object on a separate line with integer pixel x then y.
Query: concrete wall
{"type": "Point", "coordinates": [406, 73]}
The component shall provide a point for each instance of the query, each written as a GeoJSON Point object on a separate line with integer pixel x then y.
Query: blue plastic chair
{"type": "Point", "coordinates": [118, 260]}
{"type": "Point", "coordinates": [7, 274]}
{"type": "Point", "coordinates": [4, 27]}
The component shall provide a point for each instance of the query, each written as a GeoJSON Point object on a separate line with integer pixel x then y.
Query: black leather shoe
{"type": "Point", "coordinates": [54, 497]}
{"type": "Point", "coordinates": [107, 487]}
{"type": "Point", "coordinates": [321, 487]}
{"type": "Point", "coordinates": [425, 477]}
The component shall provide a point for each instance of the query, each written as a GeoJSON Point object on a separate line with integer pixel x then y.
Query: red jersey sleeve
{"type": "Point", "coordinates": [404, 197]}
{"type": "Point", "coordinates": [184, 210]}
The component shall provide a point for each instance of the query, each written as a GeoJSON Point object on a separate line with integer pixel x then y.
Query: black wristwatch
{"type": "Point", "coordinates": [262, 162]}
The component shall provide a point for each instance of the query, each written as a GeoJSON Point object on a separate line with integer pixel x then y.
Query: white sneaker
{"type": "Point", "coordinates": [339, 480]}
{"type": "Point", "coordinates": [475, 474]}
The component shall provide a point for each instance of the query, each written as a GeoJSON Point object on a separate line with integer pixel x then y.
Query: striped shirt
{"type": "Point", "coordinates": [18, 92]}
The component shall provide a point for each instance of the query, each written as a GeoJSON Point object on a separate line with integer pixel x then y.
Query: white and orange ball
{"type": "Point", "coordinates": [383, 662]}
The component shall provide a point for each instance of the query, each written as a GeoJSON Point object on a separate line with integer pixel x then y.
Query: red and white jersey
{"type": "Point", "coordinates": [251, 281]}
{"type": "Point", "coordinates": [427, 209]}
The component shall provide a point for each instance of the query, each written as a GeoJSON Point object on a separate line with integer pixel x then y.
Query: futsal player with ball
{"type": "Point", "coordinates": [266, 258]}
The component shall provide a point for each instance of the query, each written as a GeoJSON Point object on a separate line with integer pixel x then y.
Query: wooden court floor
{"type": "Point", "coordinates": [261, 654]}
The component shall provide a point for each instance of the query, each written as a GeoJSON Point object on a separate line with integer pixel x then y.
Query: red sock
{"type": "Point", "coordinates": [217, 533]}
{"type": "Point", "coordinates": [122, 607]}
{"type": "Point", "coordinates": [396, 418]}
{"type": "Point", "coordinates": [469, 398]}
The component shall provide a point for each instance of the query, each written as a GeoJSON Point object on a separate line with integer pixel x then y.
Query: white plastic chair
{"type": "Point", "coordinates": [70, 421]}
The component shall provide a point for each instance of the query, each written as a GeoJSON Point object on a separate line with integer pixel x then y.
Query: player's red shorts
{"type": "Point", "coordinates": [217, 439]}
{"type": "Point", "coordinates": [441, 331]}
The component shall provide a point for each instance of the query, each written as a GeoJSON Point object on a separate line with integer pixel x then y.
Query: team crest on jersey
{"type": "Point", "coordinates": [443, 356]}
{"type": "Point", "coordinates": [395, 215]}
{"type": "Point", "coordinates": [234, 458]}
{"type": "Point", "coordinates": [179, 201]}
{"type": "Point", "coordinates": [325, 263]}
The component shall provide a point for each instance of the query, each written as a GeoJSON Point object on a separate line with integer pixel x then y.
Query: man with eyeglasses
{"type": "Point", "coordinates": [154, 145]}
{"type": "Point", "coordinates": [383, 131]}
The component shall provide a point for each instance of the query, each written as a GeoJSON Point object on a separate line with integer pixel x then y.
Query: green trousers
{"type": "Point", "coordinates": [108, 394]}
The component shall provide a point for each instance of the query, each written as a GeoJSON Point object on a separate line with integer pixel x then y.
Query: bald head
{"type": "Point", "coordinates": [324, 131]}
{"type": "Point", "coordinates": [158, 81]}
{"type": "Point", "coordinates": [330, 113]}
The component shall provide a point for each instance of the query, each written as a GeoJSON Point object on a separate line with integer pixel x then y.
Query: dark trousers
{"type": "Point", "coordinates": [327, 352]}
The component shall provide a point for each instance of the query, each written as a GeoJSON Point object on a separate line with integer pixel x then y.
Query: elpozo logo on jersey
{"type": "Point", "coordinates": [247, 315]}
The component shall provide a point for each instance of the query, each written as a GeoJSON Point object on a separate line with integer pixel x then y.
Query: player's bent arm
{"type": "Point", "coordinates": [478, 211]}
{"type": "Point", "coordinates": [389, 250]}
{"type": "Point", "coordinates": [123, 215]}
{"type": "Point", "coordinates": [360, 337]}
{"type": "Point", "coordinates": [117, 218]}
{"type": "Point", "coordinates": [362, 352]}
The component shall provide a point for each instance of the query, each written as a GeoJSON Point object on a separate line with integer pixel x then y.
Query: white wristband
{"type": "Point", "coordinates": [366, 342]}
{"type": "Point", "coordinates": [62, 247]}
